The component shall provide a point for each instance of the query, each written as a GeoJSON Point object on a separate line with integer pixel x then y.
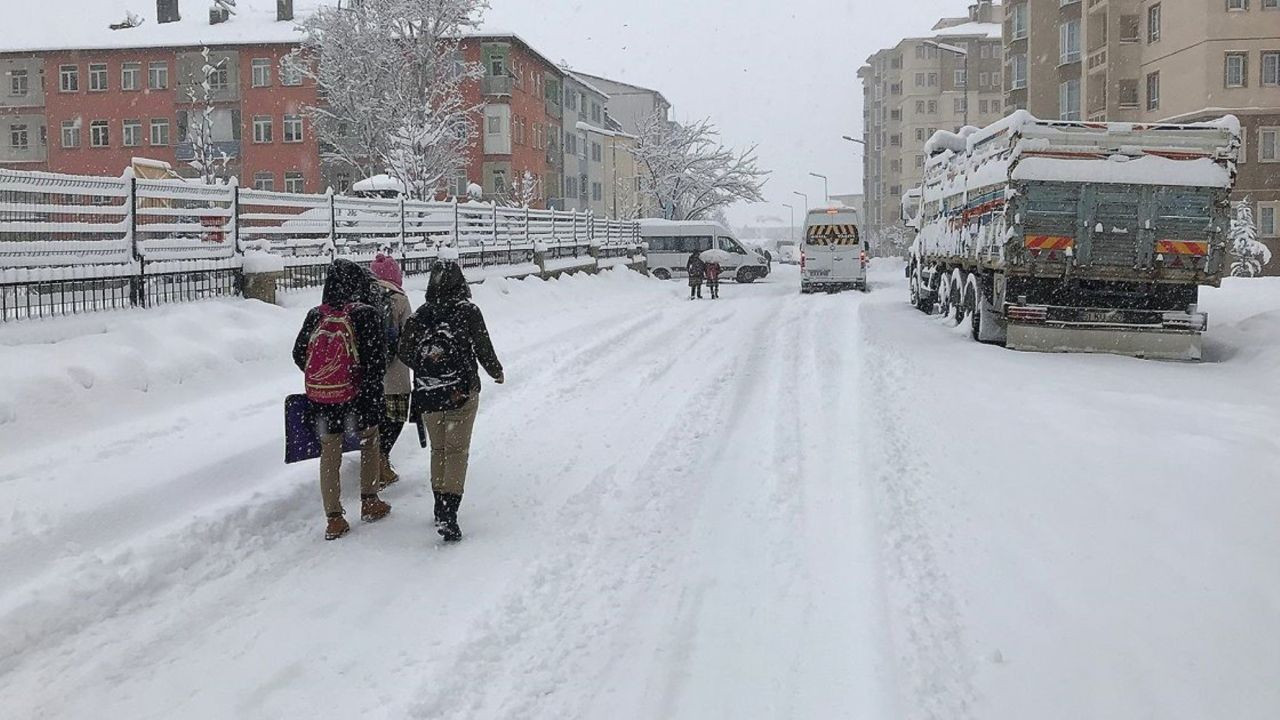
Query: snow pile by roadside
{"type": "Point", "coordinates": [87, 370]}
{"type": "Point", "coordinates": [1244, 323]}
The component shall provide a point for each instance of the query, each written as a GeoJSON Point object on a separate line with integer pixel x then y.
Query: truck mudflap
{"type": "Point", "coordinates": [1147, 334]}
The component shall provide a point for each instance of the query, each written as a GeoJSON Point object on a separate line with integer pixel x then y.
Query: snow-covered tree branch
{"type": "Point", "coordinates": [1250, 256]}
{"type": "Point", "coordinates": [207, 159]}
{"type": "Point", "coordinates": [689, 173]}
{"type": "Point", "coordinates": [525, 190]}
{"type": "Point", "coordinates": [390, 76]}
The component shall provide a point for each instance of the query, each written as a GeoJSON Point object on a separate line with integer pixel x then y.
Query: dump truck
{"type": "Point", "coordinates": [1074, 236]}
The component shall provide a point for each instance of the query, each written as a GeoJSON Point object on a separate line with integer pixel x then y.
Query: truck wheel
{"type": "Point", "coordinates": [913, 290]}
{"type": "Point", "coordinates": [958, 285]}
{"type": "Point", "coordinates": [662, 274]}
{"type": "Point", "coordinates": [944, 296]}
{"type": "Point", "coordinates": [972, 295]}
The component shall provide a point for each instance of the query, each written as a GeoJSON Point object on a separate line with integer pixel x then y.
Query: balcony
{"type": "Point", "coordinates": [554, 108]}
{"type": "Point", "coordinates": [497, 85]}
{"type": "Point", "coordinates": [186, 152]}
{"type": "Point", "coordinates": [1098, 59]}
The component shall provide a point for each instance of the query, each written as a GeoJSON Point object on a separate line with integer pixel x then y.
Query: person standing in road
{"type": "Point", "coordinates": [342, 353]}
{"type": "Point", "coordinates": [712, 271]}
{"type": "Point", "coordinates": [696, 268]}
{"type": "Point", "coordinates": [443, 342]}
{"type": "Point", "coordinates": [389, 282]}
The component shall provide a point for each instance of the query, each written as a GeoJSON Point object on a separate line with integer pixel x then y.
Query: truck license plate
{"type": "Point", "coordinates": [1097, 316]}
{"type": "Point", "coordinates": [820, 273]}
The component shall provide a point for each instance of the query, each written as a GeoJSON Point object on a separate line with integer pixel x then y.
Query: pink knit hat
{"type": "Point", "coordinates": [385, 267]}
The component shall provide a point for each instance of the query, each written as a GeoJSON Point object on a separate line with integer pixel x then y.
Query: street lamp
{"type": "Point", "coordinates": [791, 229]}
{"type": "Point", "coordinates": [806, 201]}
{"type": "Point", "coordinates": [863, 143]}
{"type": "Point", "coordinates": [964, 56]}
{"type": "Point", "coordinates": [826, 186]}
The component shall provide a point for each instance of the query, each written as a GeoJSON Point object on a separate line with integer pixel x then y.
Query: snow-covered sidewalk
{"type": "Point", "coordinates": [771, 506]}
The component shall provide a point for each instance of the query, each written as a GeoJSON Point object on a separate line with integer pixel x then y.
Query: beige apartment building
{"type": "Point", "coordinates": [1153, 61]}
{"type": "Point", "coordinates": [917, 87]}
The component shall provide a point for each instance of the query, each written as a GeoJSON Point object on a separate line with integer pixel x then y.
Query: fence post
{"type": "Point", "coordinates": [495, 223]}
{"type": "Point", "coordinates": [402, 234]}
{"type": "Point", "coordinates": [333, 223]}
{"type": "Point", "coordinates": [235, 218]}
{"type": "Point", "coordinates": [457, 242]}
{"type": "Point", "coordinates": [526, 226]}
{"type": "Point", "coordinates": [137, 283]}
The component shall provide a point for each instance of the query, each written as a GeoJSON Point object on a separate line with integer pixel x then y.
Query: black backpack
{"type": "Point", "coordinates": [442, 362]}
{"type": "Point", "coordinates": [380, 299]}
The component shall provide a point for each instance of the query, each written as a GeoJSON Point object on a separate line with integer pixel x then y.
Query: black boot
{"type": "Point", "coordinates": [447, 516]}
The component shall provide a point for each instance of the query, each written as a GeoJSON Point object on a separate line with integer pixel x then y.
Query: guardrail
{"type": "Point", "coordinates": [73, 243]}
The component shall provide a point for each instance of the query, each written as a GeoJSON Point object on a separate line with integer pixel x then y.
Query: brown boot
{"type": "Point", "coordinates": [387, 476]}
{"type": "Point", "coordinates": [372, 509]}
{"type": "Point", "coordinates": [337, 527]}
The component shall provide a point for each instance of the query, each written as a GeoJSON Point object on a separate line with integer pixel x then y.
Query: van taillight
{"type": "Point", "coordinates": [802, 258]}
{"type": "Point", "coordinates": [862, 258]}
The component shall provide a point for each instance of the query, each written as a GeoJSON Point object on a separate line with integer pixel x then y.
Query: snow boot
{"type": "Point", "coordinates": [372, 509]}
{"type": "Point", "coordinates": [337, 527]}
{"type": "Point", "coordinates": [387, 476]}
{"type": "Point", "coordinates": [447, 516]}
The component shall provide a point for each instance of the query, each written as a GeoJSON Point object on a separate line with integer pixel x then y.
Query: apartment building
{"type": "Point", "coordinates": [1157, 61]}
{"type": "Point", "coordinates": [521, 94]}
{"type": "Point", "coordinates": [629, 105]}
{"type": "Point", "coordinates": [81, 94]}
{"type": "Point", "coordinates": [942, 80]}
{"type": "Point", "coordinates": [584, 108]}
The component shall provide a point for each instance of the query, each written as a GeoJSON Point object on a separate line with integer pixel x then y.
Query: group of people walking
{"type": "Point", "coordinates": [703, 270]}
{"type": "Point", "coordinates": [370, 363]}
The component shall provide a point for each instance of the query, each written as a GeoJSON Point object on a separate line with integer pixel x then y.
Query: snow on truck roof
{"type": "Point", "coordinates": [1022, 147]}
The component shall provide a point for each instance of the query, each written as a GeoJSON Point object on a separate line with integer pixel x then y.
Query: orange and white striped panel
{"type": "Point", "coordinates": [1182, 247]}
{"type": "Point", "coordinates": [1049, 243]}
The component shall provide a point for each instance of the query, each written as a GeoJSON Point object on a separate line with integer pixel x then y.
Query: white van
{"type": "Point", "coordinates": [833, 256]}
{"type": "Point", "coordinates": [671, 242]}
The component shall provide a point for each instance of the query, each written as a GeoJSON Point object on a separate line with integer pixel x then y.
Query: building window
{"type": "Point", "coordinates": [19, 84]}
{"type": "Point", "coordinates": [984, 80]}
{"type": "Point", "coordinates": [933, 107]}
{"type": "Point", "coordinates": [495, 124]}
{"type": "Point", "coordinates": [597, 192]}
{"type": "Point", "coordinates": [596, 154]}
{"type": "Point", "coordinates": [1237, 5]}
{"type": "Point", "coordinates": [290, 71]}
{"type": "Point", "coordinates": [497, 66]}
{"type": "Point", "coordinates": [69, 78]}
{"type": "Point", "coordinates": [1153, 23]}
{"type": "Point", "coordinates": [919, 107]}
{"type": "Point", "coordinates": [1128, 94]}
{"type": "Point", "coordinates": [1271, 4]}
{"type": "Point", "coordinates": [984, 106]}
{"type": "Point", "coordinates": [262, 128]}
{"type": "Point", "coordinates": [158, 76]}
{"type": "Point", "coordinates": [294, 183]}
{"type": "Point", "coordinates": [995, 80]}
{"type": "Point", "coordinates": [264, 181]}
{"type": "Point", "coordinates": [1019, 22]}
{"type": "Point", "coordinates": [895, 140]}
{"type": "Point", "coordinates": [895, 89]}
{"type": "Point", "coordinates": [571, 187]}
{"type": "Point", "coordinates": [261, 72]}
{"type": "Point", "coordinates": [1271, 68]}
{"type": "Point", "coordinates": [159, 132]}
{"type": "Point", "coordinates": [44, 136]}
{"type": "Point", "coordinates": [499, 182]}
{"type": "Point", "coordinates": [895, 115]}
{"type": "Point", "coordinates": [1236, 70]}
{"type": "Point", "coordinates": [1018, 72]}
{"type": "Point", "coordinates": [933, 79]}
{"type": "Point", "coordinates": [97, 77]}
{"type": "Point", "coordinates": [99, 134]}
{"type": "Point", "coordinates": [132, 135]}
{"type": "Point", "coordinates": [1069, 42]}
{"type": "Point", "coordinates": [957, 105]}
{"type": "Point", "coordinates": [959, 79]}
{"type": "Point", "coordinates": [70, 133]}
{"type": "Point", "coordinates": [1269, 144]}
{"type": "Point", "coordinates": [293, 128]}
{"type": "Point", "coordinates": [1153, 90]}
{"type": "Point", "coordinates": [582, 187]}
{"type": "Point", "coordinates": [219, 78]}
{"type": "Point", "coordinates": [1267, 219]}
{"type": "Point", "coordinates": [596, 112]}
{"type": "Point", "coordinates": [1069, 100]}
{"type": "Point", "coordinates": [18, 137]}
{"type": "Point", "coordinates": [919, 79]}
{"type": "Point", "coordinates": [130, 76]}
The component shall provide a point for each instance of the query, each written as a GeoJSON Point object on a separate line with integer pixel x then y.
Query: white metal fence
{"type": "Point", "coordinates": [72, 243]}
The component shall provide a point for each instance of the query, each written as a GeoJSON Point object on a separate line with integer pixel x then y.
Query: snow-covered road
{"type": "Point", "coordinates": [772, 506]}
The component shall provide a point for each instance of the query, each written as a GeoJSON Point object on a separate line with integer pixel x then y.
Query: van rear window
{"type": "Point", "coordinates": [832, 235]}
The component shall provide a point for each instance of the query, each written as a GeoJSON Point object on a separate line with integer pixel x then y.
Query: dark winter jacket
{"type": "Point", "coordinates": [448, 304]}
{"type": "Point", "coordinates": [347, 284]}
{"type": "Point", "coordinates": [696, 267]}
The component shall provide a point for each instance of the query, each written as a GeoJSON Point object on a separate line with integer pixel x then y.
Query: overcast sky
{"type": "Point", "coordinates": [778, 73]}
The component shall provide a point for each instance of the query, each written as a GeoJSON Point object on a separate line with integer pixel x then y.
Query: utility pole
{"type": "Point", "coordinates": [826, 186]}
{"type": "Point", "coordinates": [806, 201]}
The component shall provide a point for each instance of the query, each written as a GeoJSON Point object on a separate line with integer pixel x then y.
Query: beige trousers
{"type": "Point", "coordinates": [450, 434]}
{"type": "Point", "coordinates": [331, 466]}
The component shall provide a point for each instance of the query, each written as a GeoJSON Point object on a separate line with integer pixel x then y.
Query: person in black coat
{"type": "Point", "coordinates": [445, 342]}
{"type": "Point", "coordinates": [696, 269]}
{"type": "Point", "coordinates": [345, 287]}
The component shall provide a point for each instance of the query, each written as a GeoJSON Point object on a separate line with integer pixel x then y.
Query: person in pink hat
{"type": "Point", "coordinates": [388, 289]}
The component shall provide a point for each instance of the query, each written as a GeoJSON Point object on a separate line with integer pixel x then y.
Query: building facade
{"type": "Point", "coordinates": [1158, 61]}
{"type": "Point", "coordinates": [582, 102]}
{"type": "Point", "coordinates": [92, 110]}
{"type": "Point", "coordinates": [629, 105]}
{"type": "Point", "coordinates": [941, 81]}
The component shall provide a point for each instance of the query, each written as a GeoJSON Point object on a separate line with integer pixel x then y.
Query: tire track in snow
{"type": "Point", "coordinates": [558, 622]}
{"type": "Point", "coordinates": [936, 669]}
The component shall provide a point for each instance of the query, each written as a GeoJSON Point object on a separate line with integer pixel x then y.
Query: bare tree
{"type": "Point", "coordinates": [689, 173]}
{"type": "Point", "coordinates": [390, 76]}
{"type": "Point", "coordinates": [207, 158]}
{"type": "Point", "coordinates": [525, 190]}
